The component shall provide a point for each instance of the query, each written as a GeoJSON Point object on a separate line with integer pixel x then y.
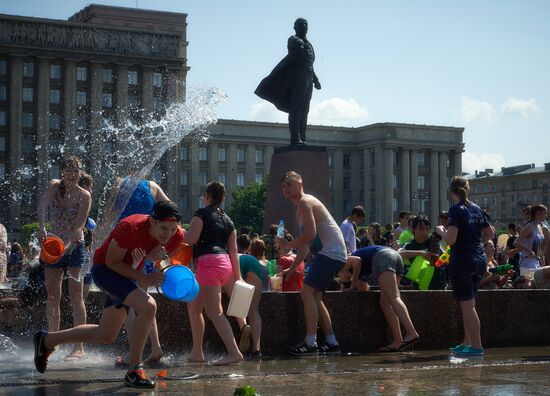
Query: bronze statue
{"type": "Point", "coordinates": [290, 84]}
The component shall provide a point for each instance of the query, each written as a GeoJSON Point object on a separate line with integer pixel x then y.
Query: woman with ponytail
{"type": "Point", "coordinates": [68, 205]}
{"type": "Point", "coordinates": [468, 230]}
{"type": "Point", "coordinates": [217, 265]}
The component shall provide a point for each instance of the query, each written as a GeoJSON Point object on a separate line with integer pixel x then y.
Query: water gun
{"type": "Point", "coordinates": [502, 269]}
{"type": "Point", "coordinates": [444, 258]}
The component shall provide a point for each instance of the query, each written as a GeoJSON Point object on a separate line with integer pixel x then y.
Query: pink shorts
{"type": "Point", "coordinates": [213, 269]}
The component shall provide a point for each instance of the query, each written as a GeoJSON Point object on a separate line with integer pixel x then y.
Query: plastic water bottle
{"type": "Point", "coordinates": [148, 266]}
{"type": "Point", "coordinates": [281, 229]}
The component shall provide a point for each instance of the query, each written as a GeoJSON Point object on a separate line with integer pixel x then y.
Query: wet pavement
{"type": "Point", "coordinates": [503, 371]}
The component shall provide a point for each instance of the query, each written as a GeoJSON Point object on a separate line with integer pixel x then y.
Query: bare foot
{"type": "Point", "coordinates": [153, 358]}
{"type": "Point", "coordinates": [229, 359]}
{"type": "Point", "coordinates": [76, 354]}
{"type": "Point", "coordinates": [196, 358]}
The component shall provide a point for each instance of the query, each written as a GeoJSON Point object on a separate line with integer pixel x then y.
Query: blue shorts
{"type": "Point", "coordinates": [322, 271]}
{"type": "Point", "coordinates": [465, 275]}
{"type": "Point", "coordinates": [114, 285]}
{"type": "Point", "coordinates": [74, 259]}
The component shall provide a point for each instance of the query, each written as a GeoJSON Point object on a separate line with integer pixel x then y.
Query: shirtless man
{"type": "Point", "coordinates": [316, 222]}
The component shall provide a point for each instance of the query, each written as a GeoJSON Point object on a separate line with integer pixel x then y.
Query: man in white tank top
{"type": "Point", "coordinates": [317, 223]}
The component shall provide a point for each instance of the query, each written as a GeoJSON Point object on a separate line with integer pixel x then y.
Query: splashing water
{"type": "Point", "coordinates": [140, 147]}
{"type": "Point", "coordinates": [7, 346]}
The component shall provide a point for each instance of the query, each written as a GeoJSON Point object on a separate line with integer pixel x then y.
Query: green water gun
{"type": "Point", "coordinates": [502, 269]}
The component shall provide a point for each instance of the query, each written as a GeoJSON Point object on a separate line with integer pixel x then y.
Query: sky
{"type": "Point", "coordinates": [481, 65]}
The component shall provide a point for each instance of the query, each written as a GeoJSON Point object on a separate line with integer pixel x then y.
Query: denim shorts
{"type": "Point", "coordinates": [114, 285]}
{"type": "Point", "coordinates": [465, 275]}
{"type": "Point", "coordinates": [74, 259]}
{"type": "Point", "coordinates": [322, 271]}
{"type": "Point", "coordinates": [387, 260]}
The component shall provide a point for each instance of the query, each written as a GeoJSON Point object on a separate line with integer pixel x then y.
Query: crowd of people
{"type": "Point", "coordinates": [322, 256]}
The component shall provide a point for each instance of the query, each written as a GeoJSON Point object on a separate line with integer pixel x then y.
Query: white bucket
{"type": "Point", "coordinates": [239, 304]}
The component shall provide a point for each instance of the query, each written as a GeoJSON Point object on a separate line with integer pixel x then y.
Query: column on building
{"type": "Point", "coordinates": [231, 171]}
{"type": "Point", "coordinates": [194, 182]}
{"type": "Point", "coordinates": [43, 125]}
{"type": "Point", "coordinates": [367, 158]}
{"type": "Point", "coordinates": [414, 181]}
{"type": "Point", "coordinates": [69, 106]}
{"type": "Point", "coordinates": [14, 139]}
{"type": "Point", "coordinates": [213, 164]}
{"type": "Point", "coordinates": [405, 180]}
{"type": "Point", "coordinates": [355, 182]}
{"type": "Point", "coordinates": [96, 89]}
{"type": "Point", "coordinates": [443, 199]}
{"type": "Point", "coordinates": [267, 159]}
{"type": "Point", "coordinates": [173, 170]}
{"type": "Point", "coordinates": [338, 185]}
{"type": "Point", "coordinates": [457, 162]}
{"type": "Point", "coordinates": [434, 185]}
{"type": "Point", "coordinates": [147, 90]}
{"type": "Point", "coordinates": [250, 163]}
{"type": "Point", "coordinates": [121, 94]}
{"type": "Point", "coordinates": [387, 195]}
{"type": "Point", "coordinates": [379, 183]}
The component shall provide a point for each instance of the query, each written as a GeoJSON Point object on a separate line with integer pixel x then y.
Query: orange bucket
{"type": "Point", "coordinates": [182, 255]}
{"type": "Point", "coordinates": [52, 249]}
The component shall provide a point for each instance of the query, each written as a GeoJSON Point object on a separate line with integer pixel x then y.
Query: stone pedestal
{"type": "Point", "coordinates": [309, 161]}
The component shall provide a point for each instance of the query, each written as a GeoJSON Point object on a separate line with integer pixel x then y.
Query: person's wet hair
{"type": "Point", "coordinates": [536, 209]}
{"type": "Point", "coordinates": [291, 175]}
{"type": "Point", "coordinates": [166, 211]}
{"type": "Point", "coordinates": [243, 242]}
{"type": "Point", "coordinates": [71, 162]}
{"type": "Point", "coordinates": [420, 219]}
{"type": "Point", "coordinates": [460, 187]}
{"type": "Point", "coordinates": [216, 191]}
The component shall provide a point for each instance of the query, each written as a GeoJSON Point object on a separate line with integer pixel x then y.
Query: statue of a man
{"type": "Point", "coordinates": [290, 84]}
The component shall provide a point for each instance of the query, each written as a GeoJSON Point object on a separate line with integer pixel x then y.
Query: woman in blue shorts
{"type": "Point", "coordinates": [468, 229]}
{"type": "Point", "coordinates": [68, 205]}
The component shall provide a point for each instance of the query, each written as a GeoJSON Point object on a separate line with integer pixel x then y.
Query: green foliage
{"type": "Point", "coordinates": [245, 391]}
{"type": "Point", "coordinates": [28, 229]}
{"type": "Point", "coordinates": [247, 208]}
{"type": "Point", "coordinates": [185, 226]}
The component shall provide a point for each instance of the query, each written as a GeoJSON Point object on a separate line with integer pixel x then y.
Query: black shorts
{"type": "Point", "coordinates": [114, 285]}
{"type": "Point", "coordinates": [465, 275]}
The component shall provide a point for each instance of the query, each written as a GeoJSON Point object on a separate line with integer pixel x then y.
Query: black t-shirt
{"type": "Point", "coordinates": [216, 228]}
{"type": "Point", "coordinates": [439, 279]}
{"type": "Point", "coordinates": [510, 245]}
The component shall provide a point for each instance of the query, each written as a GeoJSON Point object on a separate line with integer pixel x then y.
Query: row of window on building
{"type": "Point", "coordinates": [240, 180]}
{"type": "Point", "coordinates": [222, 154]}
{"type": "Point", "coordinates": [82, 73]}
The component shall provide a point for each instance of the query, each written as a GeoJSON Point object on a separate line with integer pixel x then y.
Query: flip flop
{"type": "Point", "coordinates": [387, 349]}
{"type": "Point", "coordinates": [72, 357]}
{"type": "Point", "coordinates": [405, 344]}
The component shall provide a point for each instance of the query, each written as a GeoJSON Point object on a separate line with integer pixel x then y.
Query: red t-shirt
{"type": "Point", "coordinates": [132, 233]}
{"type": "Point", "coordinates": [296, 281]}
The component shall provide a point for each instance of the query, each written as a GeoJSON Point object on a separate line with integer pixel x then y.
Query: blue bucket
{"type": "Point", "coordinates": [179, 282]}
{"type": "Point", "coordinates": [192, 293]}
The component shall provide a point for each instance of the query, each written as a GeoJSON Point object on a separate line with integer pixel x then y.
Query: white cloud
{"type": "Point", "coordinates": [337, 111]}
{"type": "Point", "coordinates": [333, 111]}
{"type": "Point", "coordinates": [472, 162]}
{"type": "Point", "coordinates": [473, 110]}
{"type": "Point", "coordinates": [265, 111]}
{"type": "Point", "coordinates": [524, 108]}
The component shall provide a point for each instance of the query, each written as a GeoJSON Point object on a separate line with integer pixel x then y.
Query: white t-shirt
{"type": "Point", "coordinates": [349, 235]}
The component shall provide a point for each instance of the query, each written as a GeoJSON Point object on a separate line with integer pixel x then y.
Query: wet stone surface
{"type": "Point", "coordinates": [503, 371]}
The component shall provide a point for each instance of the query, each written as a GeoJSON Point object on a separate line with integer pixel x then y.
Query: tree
{"type": "Point", "coordinates": [247, 208]}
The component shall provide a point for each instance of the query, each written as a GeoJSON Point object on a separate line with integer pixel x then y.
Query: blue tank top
{"type": "Point", "coordinates": [141, 201]}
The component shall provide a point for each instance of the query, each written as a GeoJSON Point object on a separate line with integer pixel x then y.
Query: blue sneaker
{"type": "Point", "coordinates": [458, 348]}
{"type": "Point", "coordinates": [469, 351]}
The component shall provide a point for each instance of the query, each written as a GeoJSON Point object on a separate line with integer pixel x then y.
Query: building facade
{"type": "Point", "coordinates": [506, 193]}
{"type": "Point", "coordinates": [385, 167]}
{"type": "Point", "coordinates": [62, 81]}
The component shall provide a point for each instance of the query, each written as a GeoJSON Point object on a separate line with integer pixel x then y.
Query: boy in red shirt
{"type": "Point", "coordinates": [286, 259]}
{"type": "Point", "coordinates": [117, 268]}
